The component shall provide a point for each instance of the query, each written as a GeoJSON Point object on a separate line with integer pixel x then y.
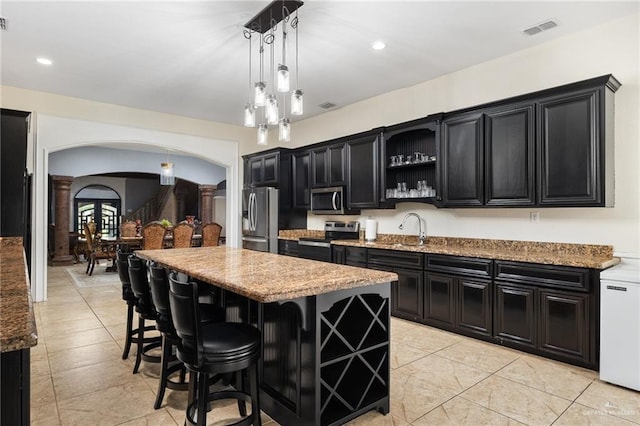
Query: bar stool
{"type": "Point", "coordinates": [130, 298]}
{"type": "Point", "coordinates": [146, 311]}
{"type": "Point", "coordinates": [217, 349]}
{"type": "Point", "coordinates": [159, 283]}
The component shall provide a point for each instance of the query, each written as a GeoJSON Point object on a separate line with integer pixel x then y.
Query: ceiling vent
{"type": "Point", "coordinates": [327, 105]}
{"type": "Point", "coordinates": [543, 26]}
{"type": "Point", "coordinates": [3, 23]}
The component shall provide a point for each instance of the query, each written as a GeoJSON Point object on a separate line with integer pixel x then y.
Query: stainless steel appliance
{"type": "Point", "coordinates": [329, 201]}
{"type": "Point", "coordinates": [320, 248]}
{"type": "Point", "coordinates": [260, 219]}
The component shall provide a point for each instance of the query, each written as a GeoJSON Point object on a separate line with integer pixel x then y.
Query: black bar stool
{"type": "Point", "coordinates": [130, 298]}
{"type": "Point", "coordinates": [217, 349]}
{"type": "Point", "coordinates": [146, 311]}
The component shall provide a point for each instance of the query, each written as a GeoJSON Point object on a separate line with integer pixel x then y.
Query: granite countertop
{"type": "Point", "coordinates": [17, 321]}
{"type": "Point", "coordinates": [561, 254]}
{"type": "Point", "coordinates": [264, 277]}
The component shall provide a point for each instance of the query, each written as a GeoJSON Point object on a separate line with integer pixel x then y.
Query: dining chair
{"type": "Point", "coordinates": [128, 229]}
{"type": "Point", "coordinates": [211, 234]}
{"type": "Point", "coordinates": [153, 235]}
{"type": "Point", "coordinates": [94, 253]}
{"type": "Point", "coordinates": [182, 235]}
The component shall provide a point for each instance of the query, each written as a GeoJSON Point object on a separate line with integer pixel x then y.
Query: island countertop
{"type": "Point", "coordinates": [264, 277]}
{"type": "Point", "coordinates": [17, 322]}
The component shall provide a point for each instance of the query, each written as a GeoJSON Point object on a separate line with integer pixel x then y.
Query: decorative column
{"type": "Point", "coordinates": [62, 189]}
{"type": "Point", "coordinates": [206, 202]}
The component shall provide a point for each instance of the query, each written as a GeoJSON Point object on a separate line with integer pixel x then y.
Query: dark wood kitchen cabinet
{"type": "Point", "coordinates": [458, 294]}
{"type": "Point", "coordinates": [407, 292]}
{"type": "Point", "coordinates": [262, 169]}
{"type": "Point", "coordinates": [363, 171]}
{"type": "Point", "coordinates": [349, 255]}
{"type": "Point", "coordinates": [549, 310]}
{"type": "Point", "coordinates": [509, 170]}
{"type": "Point", "coordinates": [301, 180]}
{"type": "Point", "coordinates": [463, 160]}
{"type": "Point", "coordinates": [328, 166]}
{"type": "Point", "coordinates": [418, 142]}
{"type": "Point", "coordinates": [288, 248]}
{"type": "Point", "coordinates": [575, 147]}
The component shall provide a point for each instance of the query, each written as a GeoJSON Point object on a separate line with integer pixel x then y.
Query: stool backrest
{"type": "Point", "coordinates": [183, 299]}
{"type": "Point", "coordinates": [122, 264]}
{"type": "Point", "coordinates": [211, 234]}
{"type": "Point", "coordinates": [182, 234]}
{"type": "Point", "coordinates": [159, 283]}
{"type": "Point", "coordinates": [140, 284]}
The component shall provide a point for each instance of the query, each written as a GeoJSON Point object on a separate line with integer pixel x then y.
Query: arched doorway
{"type": "Point", "coordinates": [100, 204]}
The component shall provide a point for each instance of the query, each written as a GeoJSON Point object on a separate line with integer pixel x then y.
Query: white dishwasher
{"type": "Point", "coordinates": [620, 324]}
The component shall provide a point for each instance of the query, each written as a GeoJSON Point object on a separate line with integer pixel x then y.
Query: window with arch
{"type": "Point", "coordinates": [99, 204]}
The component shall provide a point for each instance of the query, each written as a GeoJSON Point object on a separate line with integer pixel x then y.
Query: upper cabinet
{"type": "Point", "coordinates": [363, 170]}
{"type": "Point", "coordinates": [301, 180]}
{"type": "Point", "coordinates": [509, 173]}
{"type": "Point", "coordinates": [262, 169]}
{"type": "Point", "coordinates": [328, 165]}
{"type": "Point", "coordinates": [551, 149]}
{"type": "Point", "coordinates": [575, 152]}
{"type": "Point", "coordinates": [462, 160]}
{"type": "Point", "coordinates": [410, 161]}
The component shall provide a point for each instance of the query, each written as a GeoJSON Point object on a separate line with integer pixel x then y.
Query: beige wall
{"type": "Point", "coordinates": [609, 48]}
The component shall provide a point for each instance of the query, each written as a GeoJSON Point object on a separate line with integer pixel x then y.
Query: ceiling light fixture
{"type": "Point", "coordinates": [167, 173]}
{"type": "Point", "coordinates": [378, 45]}
{"type": "Point", "coordinates": [265, 94]}
{"type": "Point", "coordinates": [44, 61]}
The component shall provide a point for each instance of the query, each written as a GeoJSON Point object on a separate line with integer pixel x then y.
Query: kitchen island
{"type": "Point", "coordinates": [325, 328]}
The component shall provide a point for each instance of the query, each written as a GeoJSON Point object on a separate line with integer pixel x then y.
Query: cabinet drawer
{"type": "Point", "coordinates": [459, 265]}
{"type": "Point", "coordinates": [288, 247]}
{"type": "Point", "coordinates": [395, 258]}
{"type": "Point", "coordinates": [356, 256]}
{"type": "Point", "coordinates": [544, 275]}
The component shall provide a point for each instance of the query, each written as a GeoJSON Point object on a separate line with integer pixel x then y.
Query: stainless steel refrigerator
{"type": "Point", "coordinates": [260, 219]}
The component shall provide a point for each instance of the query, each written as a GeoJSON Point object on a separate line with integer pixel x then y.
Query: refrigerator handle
{"type": "Point", "coordinates": [333, 200]}
{"type": "Point", "coordinates": [253, 211]}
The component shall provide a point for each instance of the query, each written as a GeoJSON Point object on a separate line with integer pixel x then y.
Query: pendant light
{"type": "Point", "coordinates": [167, 173]}
{"type": "Point", "coordinates": [265, 96]}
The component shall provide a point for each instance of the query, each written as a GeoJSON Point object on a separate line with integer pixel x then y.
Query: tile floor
{"type": "Point", "coordinates": [437, 378]}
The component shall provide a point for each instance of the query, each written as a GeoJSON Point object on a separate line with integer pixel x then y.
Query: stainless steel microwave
{"type": "Point", "coordinates": [329, 201]}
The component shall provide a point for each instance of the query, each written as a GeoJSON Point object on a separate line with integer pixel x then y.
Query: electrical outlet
{"type": "Point", "coordinates": [534, 216]}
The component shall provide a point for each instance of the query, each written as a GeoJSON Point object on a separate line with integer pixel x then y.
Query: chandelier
{"type": "Point", "coordinates": [268, 93]}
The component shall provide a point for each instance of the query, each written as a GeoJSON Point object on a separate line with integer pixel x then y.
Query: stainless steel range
{"type": "Point", "coordinates": [320, 248]}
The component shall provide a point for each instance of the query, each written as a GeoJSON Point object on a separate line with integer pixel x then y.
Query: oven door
{"type": "Point", "coordinates": [315, 250]}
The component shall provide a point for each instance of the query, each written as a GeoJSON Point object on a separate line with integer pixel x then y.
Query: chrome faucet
{"type": "Point", "coordinates": [422, 236]}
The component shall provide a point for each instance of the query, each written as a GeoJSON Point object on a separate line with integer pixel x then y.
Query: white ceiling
{"type": "Point", "coordinates": [190, 58]}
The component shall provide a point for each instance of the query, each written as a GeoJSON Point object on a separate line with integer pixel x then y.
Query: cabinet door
{"type": "Point", "coordinates": [363, 186]}
{"type": "Point", "coordinates": [318, 159]}
{"type": "Point", "coordinates": [336, 165]}
{"type": "Point", "coordinates": [440, 300]}
{"type": "Point", "coordinates": [564, 319]}
{"type": "Point", "coordinates": [569, 151]}
{"type": "Point", "coordinates": [474, 306]}
{"type": "Point", "coordinates": [256, 170]}
{"type": "Point", "coordinates": [462, 162]}
{"type": "Point", "coordinates": [339, 254]}
{"type": "Point", "coordinates": [301, 195]}
{"type": "Point", "coordinates": [515, 314]}
{"type": "Point", "coordinates": [270, 172]}
{"type": "Point", "coordinates": [13, 155]}
{"type": "Point", "coordinates": [406, 294]}
{"type": "Point", "coordinates": [509, 157]}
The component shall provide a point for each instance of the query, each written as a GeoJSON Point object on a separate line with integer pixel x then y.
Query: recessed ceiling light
{"type": "Point", "coordinates": [378, 45]}
{"type": "Point", "coordinates": [44, 61]}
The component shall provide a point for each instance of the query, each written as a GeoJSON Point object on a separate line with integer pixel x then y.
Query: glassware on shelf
{"type": "Point", "coordinates": [400, 159]}
{"type": "Point", "coordinates": [394, 160]}
{"type": "Point", "coordinates": [409, 159]}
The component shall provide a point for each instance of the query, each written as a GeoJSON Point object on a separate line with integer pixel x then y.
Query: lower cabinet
{"type": "Point", "coordinates": [515, 314]}
{"type": "Point", "coordinates": [474, 304]}
{"type": "Point", "coordinates": [406, 294]}
{"type": "Point", "coordinates": [288, 247]}
{"type": "Point", "coordinates": [440, 300]}
{"type": "Point", "coordinates": [564, 324]}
